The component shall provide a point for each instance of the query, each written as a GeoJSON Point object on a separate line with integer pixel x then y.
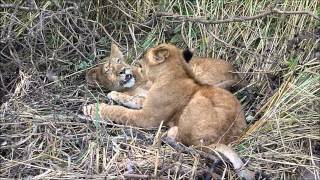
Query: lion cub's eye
{"type": "Point", "coordinates": [122, 72]}
{"type": "Point", "coordinates": [118, 60]}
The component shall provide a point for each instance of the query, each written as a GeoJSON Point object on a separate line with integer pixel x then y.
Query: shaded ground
{"type": "Point", "coordinates": [44, 54]}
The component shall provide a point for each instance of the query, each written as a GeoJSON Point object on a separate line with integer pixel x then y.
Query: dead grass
{"type": "Point", "coordinates": [44, 53]}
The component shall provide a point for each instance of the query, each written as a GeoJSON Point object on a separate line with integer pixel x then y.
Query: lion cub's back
{"type": "Point", "coordinates": [213, 71]}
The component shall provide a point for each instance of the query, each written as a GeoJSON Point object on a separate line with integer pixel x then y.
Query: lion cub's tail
{"type": "Point", "coordinates": [234, 158]}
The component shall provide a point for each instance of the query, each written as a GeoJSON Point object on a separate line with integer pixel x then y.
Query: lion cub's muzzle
{"type": "Point", "coordinates": [127, 78]}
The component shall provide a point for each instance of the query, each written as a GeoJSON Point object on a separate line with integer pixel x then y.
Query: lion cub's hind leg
{"type": "Point", "coordinates": [227, 151]}
{"type": "Point", "coordinates": [197, 122]}
{"type": "Point", "coordinates": [133, 102]}
{"type": "Point", "coordinates": [205, 122]}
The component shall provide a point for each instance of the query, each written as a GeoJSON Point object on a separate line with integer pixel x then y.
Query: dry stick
{"type": "Point", "coordinates": [194, 19]}
{"type": "Point", "coordinates": [271, 101]}
{"type": "Point", "coordinates": [14, 6]}
{"type": "Point", "coordinates": [189, 150]}
{"type": "Point", "coordinates": [180, 148]}
{"type": "Point", "coordinates": [234, 19]}
{"type": "Point", "coordinates": [107, 33]}
{"type": "Point", "coordinates": [139, 176]}
{"type": "Point", "coordinates": [23, 8]}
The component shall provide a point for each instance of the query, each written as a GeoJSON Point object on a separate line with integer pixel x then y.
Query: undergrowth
{"type": "Point", "coordinates": [46, 47]}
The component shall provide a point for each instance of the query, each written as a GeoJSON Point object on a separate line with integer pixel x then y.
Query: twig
{"type": "Point", "coordinates": [139, 176]}
{"type": "Point", "coordinates": [23, 8]}
{"type": "Point", "coordinates": [203, 20]}
{"type": "Point", "coordinates": [14, 6]}
{"type": "Point", "coordinates": [189, 150]}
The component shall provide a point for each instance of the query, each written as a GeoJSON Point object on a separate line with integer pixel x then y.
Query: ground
{"type": "Point", "coordinates": [46, 47]}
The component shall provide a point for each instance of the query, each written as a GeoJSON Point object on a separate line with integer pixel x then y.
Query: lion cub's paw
{"type": "Point", "coordinates": [93, 110]}
{"type": "Point", "coordinates": [113, 95]}
{"type": "Point", "coordinates": [173, 132]}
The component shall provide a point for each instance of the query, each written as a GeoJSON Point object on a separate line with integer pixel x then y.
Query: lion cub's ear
{"type": "Point", "coordinates": [161, 54]}
{"type": "Point", "coordinates": [187, 54]}
{"type": "Point", "coordinates": [116, 53]}
{"type": "Point", "coordinates": [91, 75]}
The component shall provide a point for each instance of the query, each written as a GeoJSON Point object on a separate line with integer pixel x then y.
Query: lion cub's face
{"type": "Point", "coordinates": [114, 74]}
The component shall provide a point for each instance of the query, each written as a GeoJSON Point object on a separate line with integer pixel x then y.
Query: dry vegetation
{"type": "Point", "coordinates": [45, 47]}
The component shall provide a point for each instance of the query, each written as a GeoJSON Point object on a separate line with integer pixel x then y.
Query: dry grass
{"type": "Point", "coordinates": [44, 53]}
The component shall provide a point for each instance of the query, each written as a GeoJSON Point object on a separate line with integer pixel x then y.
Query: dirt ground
{"type": "Point", "coordinates": [46, 47]}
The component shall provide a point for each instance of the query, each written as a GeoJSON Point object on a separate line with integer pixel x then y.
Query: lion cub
{"type": "Point", "coordinates": [198, 114]}
{"type": "Point", "coordinates": [129, 86]}
{"type": "Point", "coordinates": [114, 74]}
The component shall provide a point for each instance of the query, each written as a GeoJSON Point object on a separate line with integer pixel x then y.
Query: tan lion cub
{"type": "Point", "coordinates": [198, 114]}
{"type": "Point", "coordinates": [128, 84]}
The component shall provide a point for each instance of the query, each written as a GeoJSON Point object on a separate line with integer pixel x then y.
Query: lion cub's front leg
{"type": "Point", "coordinates": [133, 102]}
{"type": "Point", "coordinates": [120, 115]}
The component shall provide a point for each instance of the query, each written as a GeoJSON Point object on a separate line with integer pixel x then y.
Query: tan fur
{"type": "Point", "coordinates": [201, 115]}
{"type": "Point", "coordinates": [108, 74]}
{"type": "Point", "coordinates": [214, 72]}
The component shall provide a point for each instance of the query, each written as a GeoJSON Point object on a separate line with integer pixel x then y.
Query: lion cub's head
{"type": "Point", "coordinates": [114, 74]}
{"type": "Point", "coordinates": [167, 60]}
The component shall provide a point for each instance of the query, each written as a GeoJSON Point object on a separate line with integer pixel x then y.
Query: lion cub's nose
{"type": "Point", "coordinates": [128, 76]}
